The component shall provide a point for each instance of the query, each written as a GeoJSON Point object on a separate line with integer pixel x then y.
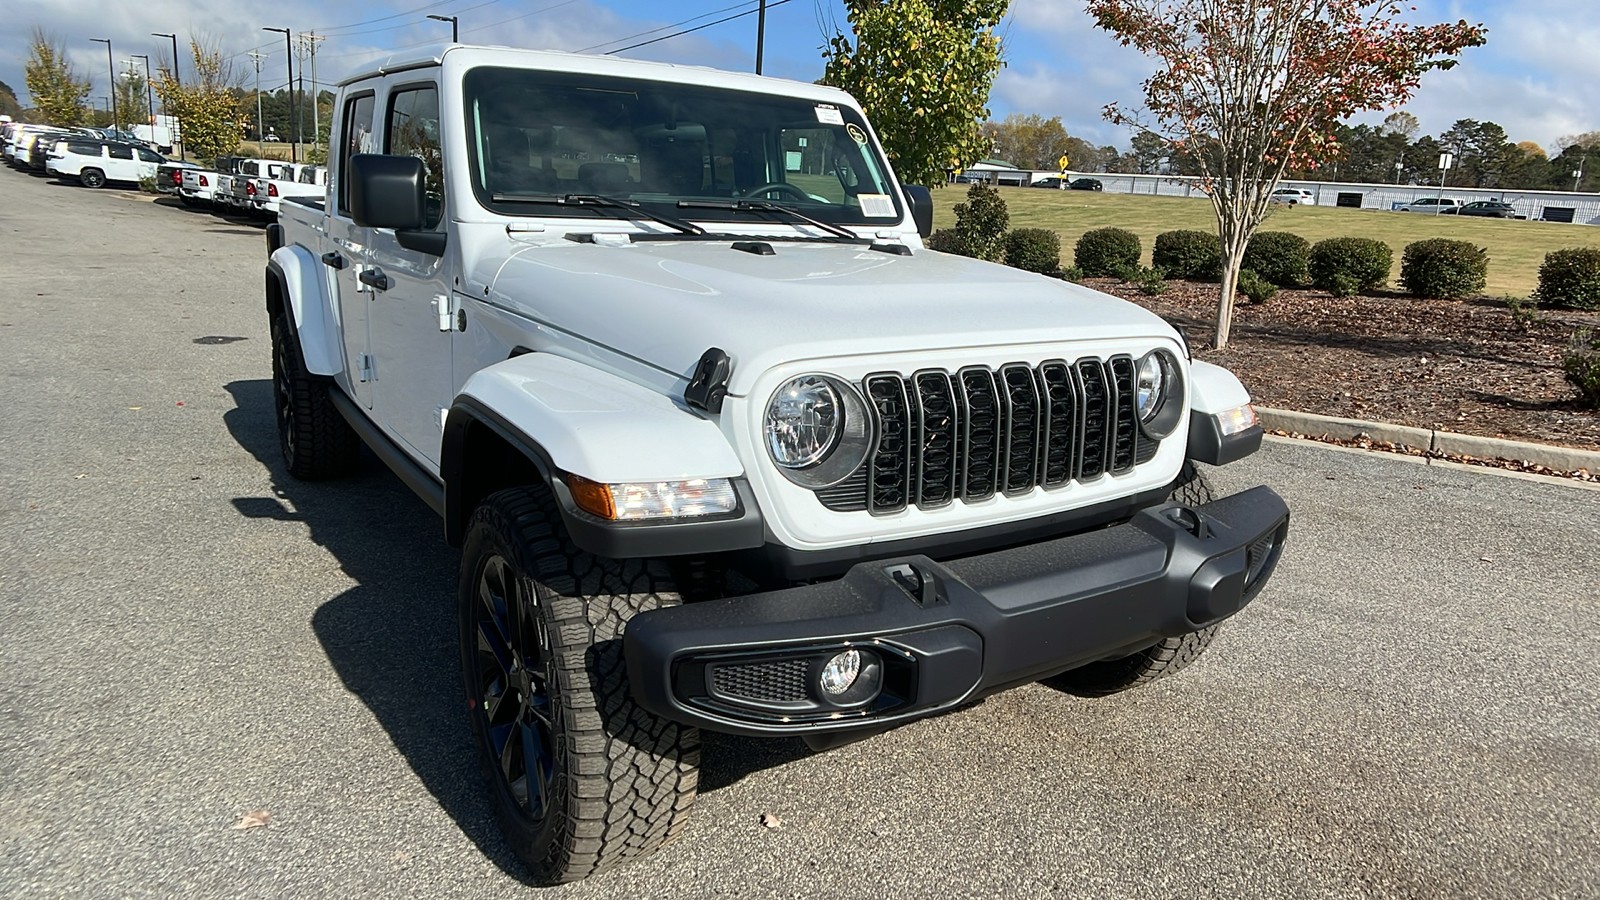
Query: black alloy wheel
{"type": "Point", "coordinates": [92, 178]}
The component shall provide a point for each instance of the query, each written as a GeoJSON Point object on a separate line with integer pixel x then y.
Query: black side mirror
{"type": "Point", "coordinates": [921, 208]}
{"type": "Point", "coordinates": [386, 191]}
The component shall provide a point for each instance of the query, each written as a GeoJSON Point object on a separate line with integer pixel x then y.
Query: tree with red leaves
{"type": "Point", "coordinates": [1250, 88]}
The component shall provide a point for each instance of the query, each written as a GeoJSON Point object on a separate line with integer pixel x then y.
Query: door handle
{"type": "Point", "coordinates": [375, 278]}
{"type": "Point", "coordinates": [333, 259]}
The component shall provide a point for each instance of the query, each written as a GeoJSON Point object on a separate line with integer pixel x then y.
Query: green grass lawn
{"type": "Point", "coordinates": [1515, 248]}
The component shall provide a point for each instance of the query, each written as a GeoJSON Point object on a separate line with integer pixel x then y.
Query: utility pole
{"type": "Point", "coordinates": [149, 97]}
{"type": "Point", "coordinates": [454, 34]}
{"type": "Point", "coordinates": [761, 34]}
{"type": "Point", "coordinates": [111, 71]}
{"type": "Point", "coordinates": [183, 154]}
{"type": "Point", "coordinates": [256, 56]}
{"type": "Point", "coordinates": [288, 58]}
{"type": "Point", "coordinates": [309, 40]}
{"type": "Point", "coordinates": [1577, 177]}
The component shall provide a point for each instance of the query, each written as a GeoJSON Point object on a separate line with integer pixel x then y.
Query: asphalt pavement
{"type": "Point", "coordinates": [187, 636]}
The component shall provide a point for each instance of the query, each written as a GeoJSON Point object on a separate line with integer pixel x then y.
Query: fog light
{"type": "Point", "coordinates": [841, 671]}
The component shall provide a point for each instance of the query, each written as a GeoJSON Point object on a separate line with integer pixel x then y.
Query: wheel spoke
{"type": "Point", "coordinates": [512, 763]}
{"type": "Point", "coordinates": [535, 767]}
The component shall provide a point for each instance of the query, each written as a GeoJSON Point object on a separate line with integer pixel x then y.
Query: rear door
{"type": "Point", "coordinates": [120, 165]}
{"type": "Point", "coordinates": [411, 348]}
{"type": "Point", "coordinates": [347, 256]}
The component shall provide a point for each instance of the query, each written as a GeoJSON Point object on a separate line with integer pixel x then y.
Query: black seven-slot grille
{"type": "Point", "coordinates": [978, 432]}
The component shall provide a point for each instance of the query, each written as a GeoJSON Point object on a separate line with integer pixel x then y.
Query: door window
{"type": "Point", "coordinates": [147, 156]}
{"type": "Point", "coordinates": [414, 131]}
{"type": "Point", "coordinates": [120, 151]}
{"type": "Point", "coordinates": [357, 138]}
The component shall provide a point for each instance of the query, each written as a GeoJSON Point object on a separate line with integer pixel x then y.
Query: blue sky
{"type": "Point", "coordinates": [1539, 76]}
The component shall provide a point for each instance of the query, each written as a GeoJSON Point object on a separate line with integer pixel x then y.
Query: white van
{"type": "Point", "coordinates": [95, 163]}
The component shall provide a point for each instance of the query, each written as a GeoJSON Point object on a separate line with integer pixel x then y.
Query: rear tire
{"type": "Point", "coordinates": [581, 778]}
{"type": "Point", "coordinates": [92, 178]}
{"type": "Point", "coordinates": [316, 441]}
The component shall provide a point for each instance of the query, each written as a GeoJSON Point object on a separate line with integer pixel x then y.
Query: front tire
{"type": "Point", "coordinates": [316, 441]}
{"type": "Point", "coordinates": [581, 778]}
{"type": "Point", "coordinates": [92, 178]}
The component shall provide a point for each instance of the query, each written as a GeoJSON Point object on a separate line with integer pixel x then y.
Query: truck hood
{"type": "Point", "coordinates": [666, 302]}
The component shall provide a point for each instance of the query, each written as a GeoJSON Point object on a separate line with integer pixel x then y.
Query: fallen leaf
{"type": "Point", "coordinates": [771, 821]}
{"type": "Point", "coordinates": [136, 407]}
{"type": "Point", "coordinates": [257, 819]}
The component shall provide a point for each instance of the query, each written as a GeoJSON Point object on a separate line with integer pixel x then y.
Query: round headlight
{"type": "Point", "coordinates": [1152, 385]}
{"type": "Point", "coordinates": [803, 422]}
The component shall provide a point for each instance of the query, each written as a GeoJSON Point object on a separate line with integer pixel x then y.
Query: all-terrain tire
{"type": "Point", "coordinates": [316, 441]}
{"type": "Point", "coordinates": [1192, 488]}
{"type": "Point", "coordinates": [92, 178]}
{"type": "Point", "coordinates": [581, 778]}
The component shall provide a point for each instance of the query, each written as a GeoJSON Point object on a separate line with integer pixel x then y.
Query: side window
{"type": "Point", "coordinates": [414, 131]}
{"type": "Point", "coordinates": [147, 156]}
{"type": "Point", "coordinates": [355, 138]}
{"type": "Point", "coordinates": [120, 151]}
{"type": "Point", "coordinates": [83, 149]}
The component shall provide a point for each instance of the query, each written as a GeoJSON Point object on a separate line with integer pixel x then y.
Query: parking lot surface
{"type": "Point", "coordinates": [1411, 709]}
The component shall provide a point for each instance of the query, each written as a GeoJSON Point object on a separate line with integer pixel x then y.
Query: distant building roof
{"type": "Point", "coordinates": [993, 164]}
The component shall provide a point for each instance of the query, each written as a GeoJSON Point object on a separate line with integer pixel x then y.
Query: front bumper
{"type": "Point", "coordinates": [932, 635]}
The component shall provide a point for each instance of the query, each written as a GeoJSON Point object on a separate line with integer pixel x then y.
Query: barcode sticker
{"type": "Point", "coordinates": [876, 206]}
{"type": "Point", "coordinates": [829, 115]}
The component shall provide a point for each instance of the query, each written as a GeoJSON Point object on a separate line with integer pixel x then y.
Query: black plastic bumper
{"type": "Point", "coordinates": [931, 635]}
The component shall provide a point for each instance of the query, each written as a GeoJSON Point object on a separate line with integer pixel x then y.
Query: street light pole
{"type": "Point", "coordinates": [288, 59]}
{"type": "Point", "coordinates": [454, 38]}
{"type": "Point", "coordinates": [183, 154]}
{"type": "Point", "coordinates": [149, 97]}
{"type": "Point", "coordinates": [111, 70]}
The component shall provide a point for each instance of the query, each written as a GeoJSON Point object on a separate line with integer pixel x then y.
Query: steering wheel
{"type": "Point", "coordinates": [779, 186]}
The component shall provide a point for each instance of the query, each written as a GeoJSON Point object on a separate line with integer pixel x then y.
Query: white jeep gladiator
{"type": "Point", "coordinates": [723, 445]}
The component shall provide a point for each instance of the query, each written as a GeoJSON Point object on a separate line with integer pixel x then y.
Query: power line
{"type": "Point", "coordinates": [748, 12]}
{"type": "Point", "coordinates": [664, 27]}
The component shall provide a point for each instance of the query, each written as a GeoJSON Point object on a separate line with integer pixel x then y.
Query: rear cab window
{"type": "Point", "coordinates": [355, 137]}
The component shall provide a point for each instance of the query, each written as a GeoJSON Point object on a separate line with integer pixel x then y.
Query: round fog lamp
{"type": "Point", "coordinates": [841, 671]}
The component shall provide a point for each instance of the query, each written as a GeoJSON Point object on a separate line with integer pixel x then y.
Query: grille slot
{"type": "Point", "coordinates": [981, 432]}
{"type": "Point", "coordinates": [783, 681]}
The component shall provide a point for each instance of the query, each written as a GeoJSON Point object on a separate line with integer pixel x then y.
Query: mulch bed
{"type": "Point", "coordinates": [1462, 366]}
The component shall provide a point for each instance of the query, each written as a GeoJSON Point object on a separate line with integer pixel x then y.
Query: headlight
{"type": "Point", "coordinates": [817, 430]}
{"type": "Point", "coordinates": [1158, 389]}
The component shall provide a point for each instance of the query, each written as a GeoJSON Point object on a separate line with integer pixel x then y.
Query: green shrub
{"type": "Point", "coordinates": [1071, 273]}
{"type": "Point", "coordinates": [1582, 366]}
{"type": "Point", "coordinates": [1442, 269]}
{"type": "Point", "coordinates": [1252, 285]}
{"type": "Point", "coordinates": [1152, 281]}
{"type": "Point", "coordinates": [1570, 278]}
{"type": "Point", "coordinates": [945, 240]}
{"type": "Point", "coordinates": [1105, 252]}
{"type": "Point", "coordinates": [148, 185]}
{"type": "Point", "coordinates": [981, 223]}
{"type": "Point", "coordinates": [1280, 257]}
{"type": "Point", "coordinates": [1347, 266]}
{"type": "Point", "coordinates": [1034, 249]}
{"type": "Point", "coordinates": [1524, 313]}
{"type": "Point", "coordinates": [1194, 255]}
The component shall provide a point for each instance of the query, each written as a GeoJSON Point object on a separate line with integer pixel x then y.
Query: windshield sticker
{"type": "Point", "coordinates": [876, 206]}
{"type": "Point", "coordinates": [855, 132]}
{"type": "Point", "coordinates": [829, 115]}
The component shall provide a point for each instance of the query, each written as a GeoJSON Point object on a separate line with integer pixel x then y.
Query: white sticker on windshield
{"type": "Point", "coordinates": [876, 206]}
{"type": "Point", "coordinates": [829, 115]}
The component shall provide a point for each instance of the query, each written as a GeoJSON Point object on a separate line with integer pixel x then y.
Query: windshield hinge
{"type": "Point", "coordinates": [709, 385]}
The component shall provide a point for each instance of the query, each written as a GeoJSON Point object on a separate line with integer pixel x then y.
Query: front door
{"type": "Point", "coordinates": [410, 321]}
{"type": "Point", "coordinates": [348, 250]}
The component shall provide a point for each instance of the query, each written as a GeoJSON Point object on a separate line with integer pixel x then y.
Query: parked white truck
{"type": "Point", "coordinates": [723, 445]}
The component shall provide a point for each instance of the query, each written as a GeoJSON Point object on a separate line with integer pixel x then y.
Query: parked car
{"type": "Point", "coordinates": [1491, 209]}
{"type": "Point", "coordinates": [242, 188]}
{"type": "Point", "coordinates": [98, 163]}
{"type": "Point", "coordinates": [222, 192]}
{"type": "Point", "coordinates": [1054, 182]}
{"type": "Point", "coordinates": [1292, 197]}
{"type": "Point", "coordinates": [1086, 184]}
{"type": "Point", "coordinates": [169, 175]}
{"type": "Point", "coordinates": [1434, 205]}
{"type": "Point", "coordinates": [198, 187]}
{"type": "Point", "coordinates": [293, 181]}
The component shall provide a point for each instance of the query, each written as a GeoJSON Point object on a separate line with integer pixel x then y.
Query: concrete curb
{"type": "Point", "coordinates": [1446, 443]}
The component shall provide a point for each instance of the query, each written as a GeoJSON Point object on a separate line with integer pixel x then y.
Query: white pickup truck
{"type": "Point", "coordinates": [291, 180]}
{"type": "Point", "coordinates": [723, 445]}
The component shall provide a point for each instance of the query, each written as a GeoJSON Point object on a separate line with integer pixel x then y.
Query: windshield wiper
{"type": "Point", "coordinates": [767, 206]}
{"type": "Point", "coordinates": [633, 208]}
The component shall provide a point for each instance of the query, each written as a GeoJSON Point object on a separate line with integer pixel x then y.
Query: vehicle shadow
{"type": "Point", "coordinates": [391, 637]}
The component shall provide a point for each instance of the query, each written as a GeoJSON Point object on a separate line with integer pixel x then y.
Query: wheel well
{"type": "Point", "coordinates": [478, 461]}
{"type": "Point", "coordinates": [274, 294]}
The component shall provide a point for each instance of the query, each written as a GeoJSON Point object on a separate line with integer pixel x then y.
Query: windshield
{"type": "Point", "coordinates": [535, 134]}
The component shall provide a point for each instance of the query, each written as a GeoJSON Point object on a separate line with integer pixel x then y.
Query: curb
{"type": "Point", "coordinates": [1432, 441]}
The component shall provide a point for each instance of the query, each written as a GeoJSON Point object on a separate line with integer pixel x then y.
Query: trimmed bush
{"type": "Point", "coordinates": [981, 223]}
{"type": "Point", "coordinates": [1442, 269]}
{"type": "Point", "coordinates": [1106, 252]}
{"type": "Point", "coordinates": [1347, 266]}
{"type": "Point", "coordinates": [1281, 257]}
{"type": "Point", "coordinates": [1581, 364]}
{"type": "Point", "coordinates": [945, 240]}
{"type": "Point", "coordinates": [1570, 278]}
{"type": "Point", "coordinates": [1191, 255]}
{"type": "Point", "coordinates": [1252, 285]}
{"type": "Point", "coordinates": [1034, 250]}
